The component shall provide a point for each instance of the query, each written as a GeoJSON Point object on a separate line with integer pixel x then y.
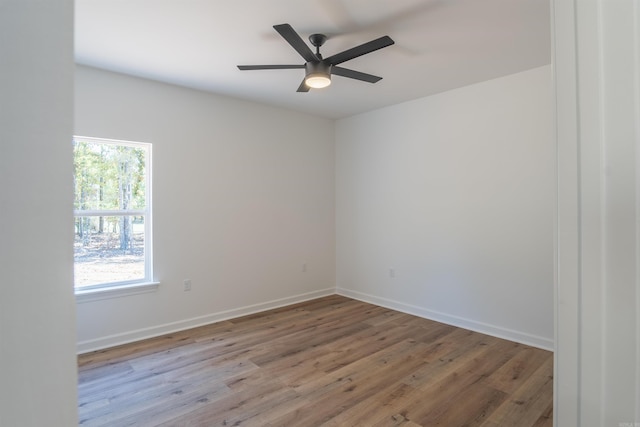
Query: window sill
{"type": "Point", "coordinates": [87, 295]}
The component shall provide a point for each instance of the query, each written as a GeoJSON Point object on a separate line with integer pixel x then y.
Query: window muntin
{"type": "Point", "coordinates": [112, 210]}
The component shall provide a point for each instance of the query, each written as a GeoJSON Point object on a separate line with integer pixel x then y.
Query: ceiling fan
{"type": "Point", "coordinates": [318, 70]}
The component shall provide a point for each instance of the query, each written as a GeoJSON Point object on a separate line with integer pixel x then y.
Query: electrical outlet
{"type": "Point", "coordinates": [392, 272]}
{"type": "Point", "coordinates": [304, 268]}
{"type": "Point", "coordinates": [187, 285]}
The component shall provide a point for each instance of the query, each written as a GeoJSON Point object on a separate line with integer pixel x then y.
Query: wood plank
{"type": "Point", "coordinates": [332, 361]}
{"type": "Point", "coordinates": [448, 379]}
{"type": "Point", "coordinates": [528, 403]}
{"type": "Point", "coordinates": [377, 410]}
{"type": "Point", "coordinates": [520, 367]}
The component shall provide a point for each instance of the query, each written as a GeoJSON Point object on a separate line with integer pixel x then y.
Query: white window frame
{"type": "Point", "coordinates": [128, 287]}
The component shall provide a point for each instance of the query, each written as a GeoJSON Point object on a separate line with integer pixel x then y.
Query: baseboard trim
{"type": "Point", "coordinates": [168, 328]}
{"type": "Point", "coordinates": [484, 328]}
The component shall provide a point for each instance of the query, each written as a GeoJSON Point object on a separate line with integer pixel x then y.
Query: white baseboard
{"type": "Point", "coordinates": [140, 334]}
{"type": "Point", "coordinates": [484, 328]}
{"type": "Point", "coordinates": [168, 328]}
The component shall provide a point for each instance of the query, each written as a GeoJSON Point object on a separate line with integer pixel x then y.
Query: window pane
{"type": "Point", "coordinates": [108, 176]}
{"type": "Point", "coordinates": [108, 249]}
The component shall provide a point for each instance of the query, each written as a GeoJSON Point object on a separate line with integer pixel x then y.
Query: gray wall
{"type": "Point", "coordinates": [37, 311]}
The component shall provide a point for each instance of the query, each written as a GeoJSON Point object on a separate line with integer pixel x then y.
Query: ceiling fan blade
{"type": "Point", "coordinates": [303, 87]}
{"type": "Point", "coordinates": [363, 49]}
{"type": "Point", "coordinates": [269, 67]}
{"type": "Point", "coordinates": [290, 35]}
{"type": "Point", "coordinates": [352, 74]}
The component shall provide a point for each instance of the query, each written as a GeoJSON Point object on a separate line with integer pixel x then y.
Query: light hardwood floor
{"type": "Point", "coordinates": [332, 361]}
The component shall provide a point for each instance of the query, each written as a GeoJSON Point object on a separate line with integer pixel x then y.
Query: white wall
{"type": "Point", "coordinates": [455, 192]}
{"type": "Point", "coordinates": [597, 69]}
{"type": "Point", "coordinates": [37, 316]}
{"type": "Point", "coordinates": [243, 196]}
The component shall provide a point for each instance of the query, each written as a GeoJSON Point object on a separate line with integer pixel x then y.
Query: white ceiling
{"type": "Point", "coordinates": [440, 45]}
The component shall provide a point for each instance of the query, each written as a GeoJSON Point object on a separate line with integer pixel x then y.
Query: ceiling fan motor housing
{"type": "Point", "coordinates": [319, 68]}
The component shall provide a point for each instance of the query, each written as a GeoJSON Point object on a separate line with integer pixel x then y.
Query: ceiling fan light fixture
{"type": "Point", "coordinates": [318, 81]}
{"type": "Point", "coordinates": [318, 75]}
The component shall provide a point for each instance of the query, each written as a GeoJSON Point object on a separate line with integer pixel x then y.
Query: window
{"type": "Point", "coordinates": [112, 214]}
